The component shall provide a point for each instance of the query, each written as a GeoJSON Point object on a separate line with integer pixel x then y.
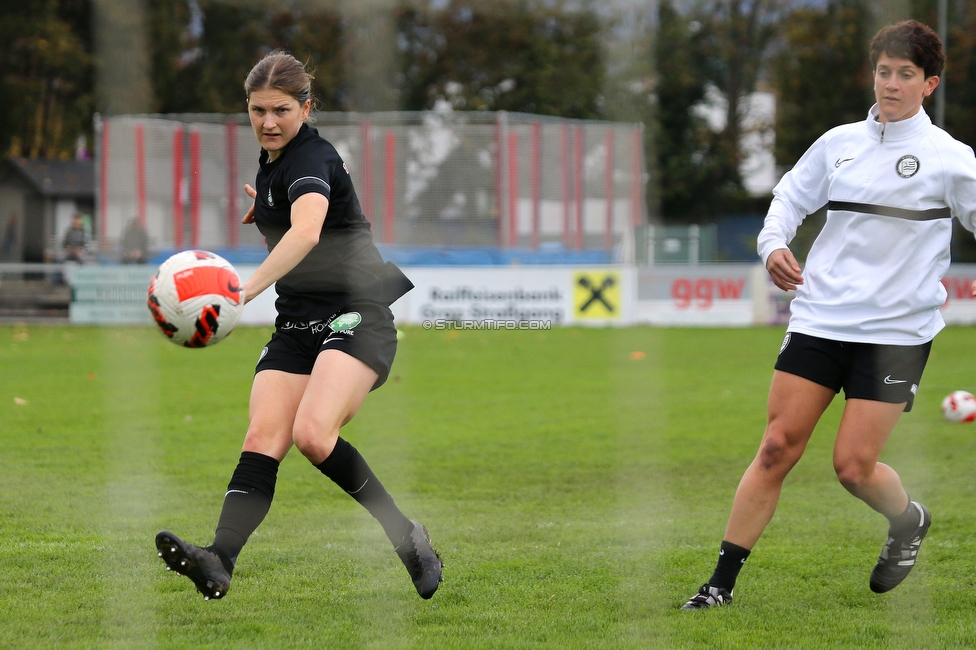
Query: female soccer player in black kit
{"type": "Point", "coordinates": [334, 338]}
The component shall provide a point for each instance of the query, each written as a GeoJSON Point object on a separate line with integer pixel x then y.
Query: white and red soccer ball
{"type": "Point", "coordinates": [959, 406]}
{"type": "Point", "coordinates": [196, 298]}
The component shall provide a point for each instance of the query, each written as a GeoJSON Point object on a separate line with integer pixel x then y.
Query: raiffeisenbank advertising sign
{"type": "Point", "coordinates": [444, 297]}
{"type": "Point", "coordinates": [517, 297]}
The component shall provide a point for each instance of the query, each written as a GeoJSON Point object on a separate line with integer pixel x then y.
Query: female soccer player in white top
{"type": "Point", "coordinates": [867, 303]}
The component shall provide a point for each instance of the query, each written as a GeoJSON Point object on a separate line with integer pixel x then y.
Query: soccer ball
{"type": "Point", "coordinates": [195, 298]}
{"type": "Point", "coordinates": [959, 406]}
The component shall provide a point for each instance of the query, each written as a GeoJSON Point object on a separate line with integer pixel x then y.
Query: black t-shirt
{"type": "Point", "coordinates": [345, 265]}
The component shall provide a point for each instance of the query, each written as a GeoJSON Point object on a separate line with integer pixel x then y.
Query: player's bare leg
{"type": "Point", "coordinates": [275, 397]}
{"type": "Point", "coordinates": [336, 389]}
{"type": "Point", "coordinates": [794, 408]}
{"type": "Point", "coordinates": [864, 431]}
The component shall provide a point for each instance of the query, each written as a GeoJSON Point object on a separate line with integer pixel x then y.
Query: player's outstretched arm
{"type": "Point", "coordinates": [784, 270]}
{"type": "Point", "coordinates": [307, 217]}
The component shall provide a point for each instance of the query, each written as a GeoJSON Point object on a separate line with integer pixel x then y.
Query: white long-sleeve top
{"type": "Point", "coordinates": [874, 273]}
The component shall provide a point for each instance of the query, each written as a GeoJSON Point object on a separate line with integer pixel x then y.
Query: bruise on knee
{"type": "Point", "coordinates": [772, 453]}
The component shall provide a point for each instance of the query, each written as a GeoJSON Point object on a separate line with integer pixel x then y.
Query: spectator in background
{"type": "Point", "coordinates": [75, 242]}
{"type": "Point", "coordinates": [135, 243]}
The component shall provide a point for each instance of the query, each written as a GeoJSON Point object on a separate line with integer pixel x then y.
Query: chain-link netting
{"type": "Point", "coordinates": [502, 180]}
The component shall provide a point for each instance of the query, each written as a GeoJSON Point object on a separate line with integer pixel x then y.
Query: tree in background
{"type": "Point", "coordinates": [515, 55]}
{"type": "Point", "coordinates": [540, 56]}
{"type": "Point", "coordinates": [680, 136]}
{"type": "Point", "coordinates": [520, 55]}
{"type": "Point", "coordinates": [822, 73]}
{"type": "Point", "coordinates": [629, 37]}
{"type": "Point", "coordinates": [47, 82]}
{"type": "Point", "coordinates": [959, 77]}
{"type": "Point", "coordinates": [204, 49]}
{"type": "Point", "coordinates": [736, 37]}
{"type": "Point", "coordinates": [717, 45]}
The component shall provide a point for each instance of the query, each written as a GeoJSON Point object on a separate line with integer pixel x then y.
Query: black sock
{"type": "Point", "coordinates": [347, 469]}
{"type": "Point", "coordinates": [730, 560]}
{"type": "Point", "coordinates": [904, 524]}
{"type": "Point", "coordinates": [246, 503]}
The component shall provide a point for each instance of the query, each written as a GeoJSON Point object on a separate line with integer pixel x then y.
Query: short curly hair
{"type": "Point", "coordinates": [910, 40]}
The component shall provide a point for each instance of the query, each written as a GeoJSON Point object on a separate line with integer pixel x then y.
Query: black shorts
{"type": "Point", "coordinates": [363, 329]}
{"type": "Point", "coordinates": [882, 373]}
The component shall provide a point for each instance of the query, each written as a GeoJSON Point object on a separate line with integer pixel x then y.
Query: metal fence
{"type": "Point", "coordinates": [505, 180]}
{"type": "Point", "coordinates": [692, 244]}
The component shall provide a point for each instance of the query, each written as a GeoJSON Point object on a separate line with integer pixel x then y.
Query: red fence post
{"type": "Point", "coordinates": [513, 189]}
{"type": "Point", "coordinates": [535, 175]}
{"type": "Point", "coordinates": [230, 146]}
{"type": "Point", "coordinates": [578, 189]}
{"type": "Point", "coordinates": [140, 174]}
{"type": "Point", "coordinates": [389, 188]}
{"type": "Point", "coordinates": [195, 189]}
{"type": "Point", "coordinates": [608, 190]}
{"type": "Point", "coordinates": [178, 187]}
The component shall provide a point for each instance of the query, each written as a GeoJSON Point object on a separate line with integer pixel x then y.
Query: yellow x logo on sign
{"type": "Point", "coordinates": [596, 294]}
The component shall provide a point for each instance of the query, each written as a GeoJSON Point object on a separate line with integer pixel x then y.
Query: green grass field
{"type": "Point", "coordinates": [577, 495]}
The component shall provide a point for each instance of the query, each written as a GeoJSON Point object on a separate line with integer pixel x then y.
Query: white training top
{"type": "Point", "coordinates": [874, 273]}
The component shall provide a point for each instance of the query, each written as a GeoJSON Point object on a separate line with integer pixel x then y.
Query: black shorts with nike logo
{"type": "Point", "coordinates": [362, 329]}
{"type": "Point", "coordinates": [882, 373]}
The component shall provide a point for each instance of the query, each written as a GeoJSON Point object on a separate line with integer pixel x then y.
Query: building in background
{"type": "Point", "coordinates": [38, 199]}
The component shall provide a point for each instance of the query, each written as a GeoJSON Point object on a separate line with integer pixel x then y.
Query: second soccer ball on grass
{"type": "Point", "coordinates": [959, 406]}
